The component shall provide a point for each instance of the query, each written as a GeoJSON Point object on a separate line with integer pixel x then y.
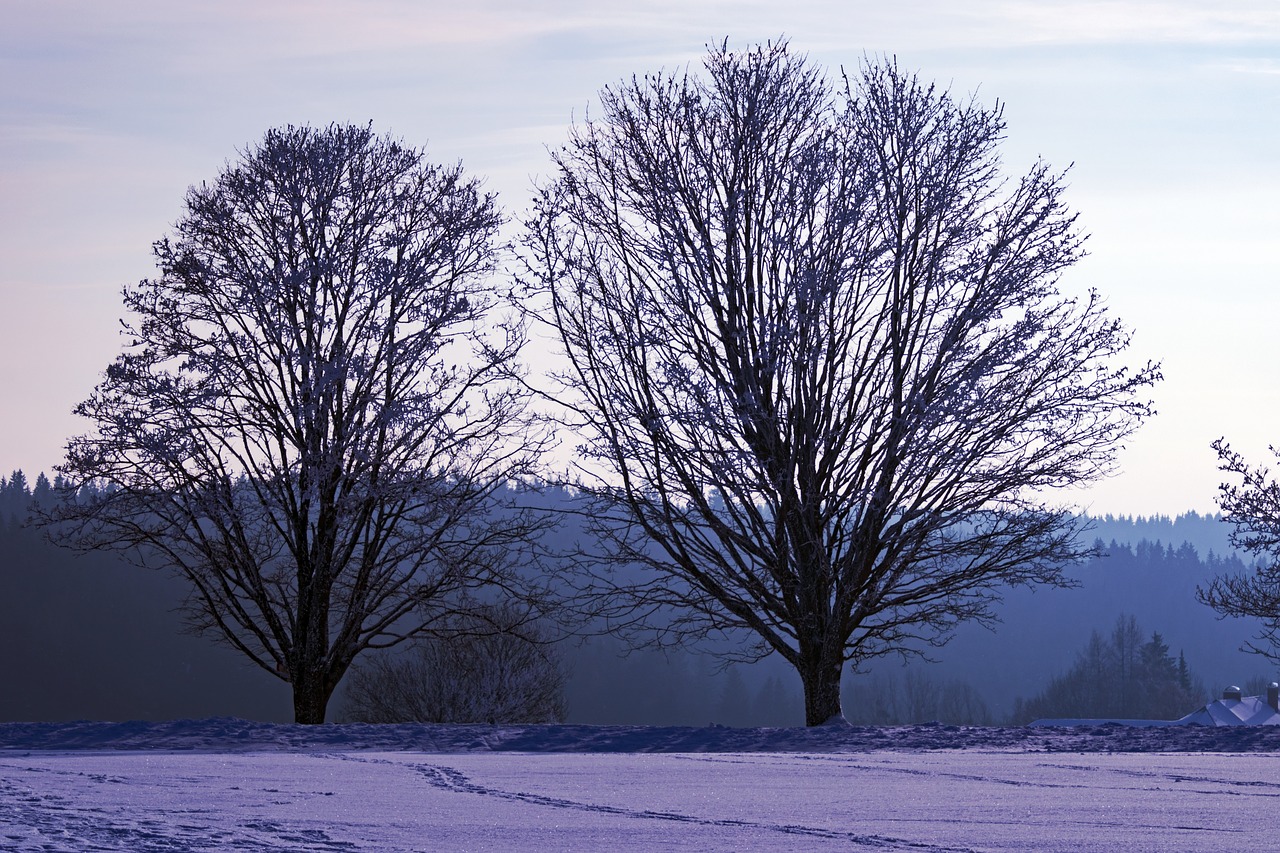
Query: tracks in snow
{"type": "Point", "coordinates": [451, 779]}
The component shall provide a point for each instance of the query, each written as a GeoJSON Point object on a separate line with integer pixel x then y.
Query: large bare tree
{"type": "Point", "coordinates": [1251, 505]}
{"type": "Point", "coordinates": [818, 357]}
{"type": "Point", "coordinates": [318, 412]}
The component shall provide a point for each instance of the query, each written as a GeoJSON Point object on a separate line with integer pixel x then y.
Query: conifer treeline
{"type": "Point", "coordinates": [17, 493]}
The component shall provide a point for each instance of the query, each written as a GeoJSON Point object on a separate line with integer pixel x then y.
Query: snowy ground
{"type": "Point", "coordinates": [231, 785]}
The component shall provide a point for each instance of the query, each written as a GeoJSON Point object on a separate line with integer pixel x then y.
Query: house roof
{"type": "Point", "coordinates": [1246, 711]}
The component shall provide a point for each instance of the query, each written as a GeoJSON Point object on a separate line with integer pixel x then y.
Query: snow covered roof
{"type": "Point", "coordinates": [1243, 711]}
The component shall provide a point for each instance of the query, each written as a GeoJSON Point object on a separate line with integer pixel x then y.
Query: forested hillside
{"type": "Point", "coordinates": [1042, 631]}
{"type": "Point", "coordinates": [91, 637]}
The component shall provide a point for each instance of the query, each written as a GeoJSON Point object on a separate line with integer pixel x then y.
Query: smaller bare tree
{"type": "Point", "coordinates": [496, 668]}
{"type": "Point", "coordinates": [1253, 509]}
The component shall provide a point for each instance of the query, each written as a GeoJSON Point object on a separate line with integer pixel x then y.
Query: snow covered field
{"type": "Point", "coordinates": [231, 785]}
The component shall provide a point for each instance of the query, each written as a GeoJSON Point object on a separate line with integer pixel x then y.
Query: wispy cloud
{"type": "Point", "coordinates": [1155, 21]}
{"type": "Point", "coordinates": [1251, 66]}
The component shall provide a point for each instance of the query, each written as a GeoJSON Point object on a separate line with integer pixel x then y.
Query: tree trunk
{"type": "Point", "coordinates": [311, 699]}
{"type": "Point", "coordinates": [821, 680]}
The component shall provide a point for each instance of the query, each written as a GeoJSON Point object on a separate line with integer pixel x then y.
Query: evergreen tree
{"type": "Point", "coordinates": [43, 490]}
{"type": "Point", "coordinates": [15, 498]}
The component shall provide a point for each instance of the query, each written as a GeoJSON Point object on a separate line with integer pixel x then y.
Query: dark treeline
{"type": "Point", "coordinates": [88, 636]}
{"type": "Point", "coordinates": [91, 637]}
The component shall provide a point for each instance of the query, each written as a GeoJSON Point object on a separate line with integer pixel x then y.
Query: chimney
{"type": "Point", "coordinates": [1273, 696]}
{"type": "Point", "coordinates": [1232, 692]}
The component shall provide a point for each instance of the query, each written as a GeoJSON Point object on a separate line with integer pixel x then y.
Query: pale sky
{"type": "Point", "coordinates": [1170, 111]}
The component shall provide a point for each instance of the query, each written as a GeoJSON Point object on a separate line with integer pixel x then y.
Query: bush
{"type": "Point", "coordinates": [489, 669]}
{"type": "Point", "coordinates": [918, 698]}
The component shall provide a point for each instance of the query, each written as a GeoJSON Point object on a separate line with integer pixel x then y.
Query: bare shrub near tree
{"type": "Point", "coordinates": [476, 675]}
{"type": "Point", "coordinates": [318, 414]}
{"type": "Point", "coordinates": [883, 700]}
{"type": "Point", "coordinates": [1253, 510]}
{"type": "Point", "coordinates": [818, 358]}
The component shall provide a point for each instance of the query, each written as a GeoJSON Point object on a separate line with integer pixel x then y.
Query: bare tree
{"type": "Point", "coordinates": [818, 357]}
{"type": "Point", "coordinates": [1253, 508]}
{"type": "Point", "coordinates": [476, 675]}
{"type": "Point", "coordinates": [317, 418]}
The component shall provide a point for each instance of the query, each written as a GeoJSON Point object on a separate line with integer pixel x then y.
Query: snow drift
{"type": "Point", "coordinates": [226, 734]}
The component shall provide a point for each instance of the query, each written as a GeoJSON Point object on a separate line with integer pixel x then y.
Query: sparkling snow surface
{"type": "Point", "coordinates": [227, 785]}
